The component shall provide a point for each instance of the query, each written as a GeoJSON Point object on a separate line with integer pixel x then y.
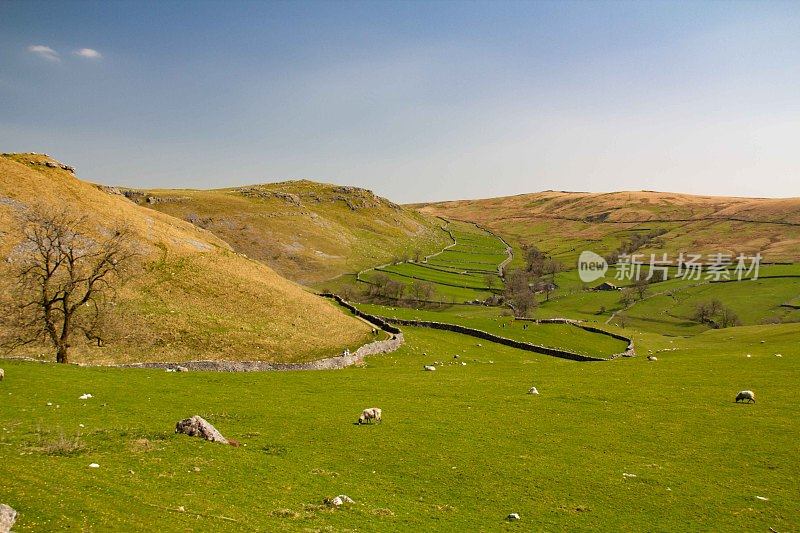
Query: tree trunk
{"type": "Point", "coordinates": [61, 354]}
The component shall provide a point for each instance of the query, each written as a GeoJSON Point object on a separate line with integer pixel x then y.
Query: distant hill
{"type": "Point", "coordinates": [309, 232]}
{"type": "Point", "coordinates": [565, 223]}
{"type": "Point", "coordinates": [192, 297]}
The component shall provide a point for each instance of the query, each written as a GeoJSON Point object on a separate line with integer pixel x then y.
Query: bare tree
{"type": "Point", "coordinates": [63, 280]}
{"type": "Point", "coordinates": [519, 293]}
{"type": "Point", "coordinates": [641, 287]}
{"type": "Point", "coordinates": [421, 290]}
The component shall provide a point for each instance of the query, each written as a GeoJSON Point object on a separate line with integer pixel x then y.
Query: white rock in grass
{"type": "Point", "coordinates": [429, 368]}
{"type": "Point", "coordinates": [85, 396]}
{"type": "Point", "coordinates": [748, 355]}
{"type": "Point", "coordinates": [778, 355]}
{"type": "Point", "coordinates": [763, 499]}
{"type": "Point", "coordinates": [94, 465]}
{"type": "Point", "coordinates": [513, 517]}
{"type": "Point", "coordinates": [533, 390]}
{"type": "Point", "coordinates": [197, 426]}
{"type": "Point", "coordinates": [342, 499]}
{"type": "Point", "coordinates": [7, 518]}
{"type": "Point", "coordinates": [625, 474]}
{"type": "Point", "coordinates": [2, 374]}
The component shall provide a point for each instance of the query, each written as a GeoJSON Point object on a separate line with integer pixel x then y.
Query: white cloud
{"type": "Point", "coordinates": [88, 53]}
{"type": "Point", "coordinates": [44, 51]}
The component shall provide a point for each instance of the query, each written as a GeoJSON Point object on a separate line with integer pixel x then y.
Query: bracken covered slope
{"type": "Point", "coordinates": [309, 232]}
{"type": "Point", "coordinates": [191, 296]}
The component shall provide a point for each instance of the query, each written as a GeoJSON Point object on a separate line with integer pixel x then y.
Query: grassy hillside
{"type": "Point", "coordinates": [565, 223]}
{"type": "Point", "coordinates": [466, 269]}
{"type": "Point", "coordinates": [191, 297]}
{"type": "Point", "coordinates": [308, 232]}
{"type": "Point", "coordinates": [628, 445]}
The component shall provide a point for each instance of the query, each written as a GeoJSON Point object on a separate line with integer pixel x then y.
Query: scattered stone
{"type": "Point", "coordinates": [456, 356]}
{"type": "Point", "coordinates": [429, 368]}
{"type": "Point", "coordinates": [2, 374]}
{"type": "Point", "coordinates": [181, 369]}
{"type": "Point", "coordinates": [776, 355]}
{"type": "Point", "coordinates": [513, 517]}
{"type": "Point", "coordinates": [533, 390]}
{"type": "Point", "coordinates": [625, 474]}
{"type": "Point", "coordinates": [196, 469]}
{"type": "Point", "coordinates": [7, 518]}
{"type": "Point", "coordinates": [480, 345]}
{"type": "Point", "coordinates": [762, 498]}
{"type": "Point", "coordinates": [94, 465]}
{"type": "Point", "coordinates": [182, 509]}
{"type": "Point", "coordinates": [339, 500]}
{"type": "Point", "coordinates": [49, 404]}
{"type": "Point", "coordinates": [85, 396]}
{"type": "Point", "coordinates": [463, 363]}
{"type": "Point", "coordinates": [652, 358]}
{"type": "Point", "coordinates": [197, 426]}
{"type": "Point", "coordinates": [748, 355]}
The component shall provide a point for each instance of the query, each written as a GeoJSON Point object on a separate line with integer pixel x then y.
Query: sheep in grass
{"type": "Point", "coordinates": [373, 413]}
{"type": "Point", "coordinates": [746, 396]}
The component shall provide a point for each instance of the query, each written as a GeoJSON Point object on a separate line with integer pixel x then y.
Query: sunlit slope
{"type": "Point", "coordinates": [191, 297]}
{"type": "Point", "coordinates": [565, 223]}
{"type": "Point", "coordinates": [307, 231]}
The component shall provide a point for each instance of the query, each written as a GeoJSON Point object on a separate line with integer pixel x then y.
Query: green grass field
{"type": "Point", "coordinates": [488, 319]}
{"type": "Point", "coordinates": [458, 450]}
{"type": "Point", "coordinates": [464, 272]}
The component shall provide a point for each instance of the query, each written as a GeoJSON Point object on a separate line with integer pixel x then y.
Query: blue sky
{"type": "Point", "coordinates": [415, 100]}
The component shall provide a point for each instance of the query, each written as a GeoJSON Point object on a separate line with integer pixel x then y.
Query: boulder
{"type": "Point", "coordinates": [7, 518]}
{"type": "Point", "coordinates": [197, 426]}
{"type": "Point", "coordinates": [340, 500]}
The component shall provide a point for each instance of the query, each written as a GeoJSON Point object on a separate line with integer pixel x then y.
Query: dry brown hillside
{"type": "Point", "coordinates": [192, 297]}
{"type": "Point", "coordinates": [564, 222]}
{"type": "Point", "coordinates": [309, 232]}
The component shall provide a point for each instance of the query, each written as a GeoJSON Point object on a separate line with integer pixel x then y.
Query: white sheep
{"type": "Point", "coordinates": [746, 395]}
{"type": "Point", "coordinates": [370, 414]}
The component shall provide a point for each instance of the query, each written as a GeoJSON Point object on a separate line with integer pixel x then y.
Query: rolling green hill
{"type": "Point", "coordinates": [190, 296]}
{"type": "Point", "coordinates": [308, 232]}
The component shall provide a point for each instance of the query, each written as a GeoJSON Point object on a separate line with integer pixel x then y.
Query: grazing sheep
{"type": "Point", "coordinates": [746, 395]}
{"type": "Point", "coordinates": [652, 358]}
{"type": "Point", "coordinates": [370, 414]}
